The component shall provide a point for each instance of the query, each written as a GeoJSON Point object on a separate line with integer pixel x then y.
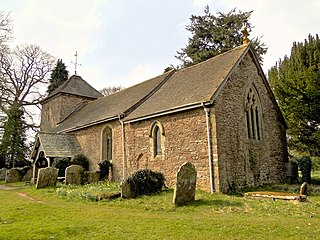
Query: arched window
{"type": "Point", "coordinates": [157, 139]}
{"type": "Point", "coordinates": [253, 114]}
{"type": "Point", "coordinates": [107, 144]}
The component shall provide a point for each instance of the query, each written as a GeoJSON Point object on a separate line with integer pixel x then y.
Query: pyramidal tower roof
{"type": "Point", "coordinates": [75, 85]}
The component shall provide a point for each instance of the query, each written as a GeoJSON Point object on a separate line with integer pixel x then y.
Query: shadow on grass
{"type": "Point", "coordinates": [216, 202]}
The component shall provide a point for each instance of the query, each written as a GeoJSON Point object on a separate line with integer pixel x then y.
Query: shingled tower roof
{"type": "Point", "coordinates": [75, 85]}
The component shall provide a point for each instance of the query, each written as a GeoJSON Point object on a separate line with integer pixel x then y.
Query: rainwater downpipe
{"type": "Point", "coordinates": [123, 150]}
{"type": "Point", "coordinates": [207, 111]}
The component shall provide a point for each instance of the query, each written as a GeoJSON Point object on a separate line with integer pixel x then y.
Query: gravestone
{"type": "Point", "coordinates": [185, 189]}
{"type": "Point", "coordinates": [126, 190]}
{"type": "Point", "coordinates": [74, 175]}
{"type": "Point", "coordinates": [13, 175]}
{"type": "Point", "coordinates": [27, 176]}
{"type": "Point", "coordinates": [91, 177]}
{"type": "Point", "coordinates": [47, 177]}
{"type": "Point", "coordinates": [304, 188]}
{"type": "Point", "coordinates": [3, 173]}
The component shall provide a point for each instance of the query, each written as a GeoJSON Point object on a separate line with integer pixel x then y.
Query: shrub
{"type": "Point", "coordinates": [61, 164]}
{"type": "Point", "coordinates": [81, 160]}
{"type": "Point", "coordinates": [146, 182]}
{"type": "Point", "coordinates": [305, 166]}
{"type": "Point", "coordinates": [104, 169]}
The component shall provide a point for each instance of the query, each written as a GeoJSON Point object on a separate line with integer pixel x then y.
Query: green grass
{"type": "Point", "coordinates": [48, 214]}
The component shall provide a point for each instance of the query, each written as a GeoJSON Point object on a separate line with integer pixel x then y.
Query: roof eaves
{"type": "Point", "coordinates": [68, 130]}
{"type": "Point", "coordinates": [168, 111]}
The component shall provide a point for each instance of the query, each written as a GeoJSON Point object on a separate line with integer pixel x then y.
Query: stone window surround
{"type": "Point", "coordinates": [253, 114]}
{"type": "Point", "coordinates": [107, 142]}
{"type": "Point", "coordinates": [156, 132]}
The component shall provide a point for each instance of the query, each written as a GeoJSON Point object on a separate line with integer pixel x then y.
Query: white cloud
{"type": "Point", "coordinates": [59, 27]}
{"type": "Point", "coordinates": [138, 74]}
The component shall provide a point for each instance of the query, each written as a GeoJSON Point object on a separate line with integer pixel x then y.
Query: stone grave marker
{"type": "Point", "coordinates": [304, 188]}
{"type": "Point", "coordinates": [13, 175]}
{"type": "Point", "coordinates": [91, 177]}
{"type": "Point", "coordinates": [74, 175]}
{"type": "Point", "coordinates": [3, 173]}
{"type": "Point", "coordinates": [185, 189]}
{"type": "Point", "coordinates": [47, 177]}
{"type": "Point", "coordinates": [27, 176]}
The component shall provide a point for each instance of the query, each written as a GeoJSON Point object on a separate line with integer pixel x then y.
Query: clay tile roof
{"type": "Point", "coordinates": [59, 145]}
{"type": "Point", "coordinates": [110, 107]}
{"type": "Point", "coordinates": [193, 85]}
{"type": "Point", "coordinates": [75, 85]}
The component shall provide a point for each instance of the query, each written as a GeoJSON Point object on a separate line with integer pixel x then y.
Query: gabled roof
{"type": "Point", "coordinates": [56, 145]}
{"type": "Point", "coordinates": [191, 86]}
{"type": "Point", "coordinates": [112, 106]}
{"type": "Point", "coordinates": [174, 91]}
{"type": "Point", "coordinates": [75, 85]}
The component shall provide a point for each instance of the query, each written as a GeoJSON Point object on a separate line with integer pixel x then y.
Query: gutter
{"type": "Point", "coordinates": [207, 111]}
{"type": "Point", "coordinates": [88, 124]}
{"type": "Point", "coordinates": [123, 149]}
{"type": "Point", "coordinates": [159, 114]}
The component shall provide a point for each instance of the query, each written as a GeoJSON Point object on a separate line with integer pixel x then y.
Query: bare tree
{"type": "Point", "coordinates": [5, 27]}
{"type": "Point", "coordinates": [110, 90]}
{"type": "Point", "coordinates": [24, 74]}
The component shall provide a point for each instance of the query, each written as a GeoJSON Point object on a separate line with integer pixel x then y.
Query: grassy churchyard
{"type": "Point", "coordinates": [71, 212]}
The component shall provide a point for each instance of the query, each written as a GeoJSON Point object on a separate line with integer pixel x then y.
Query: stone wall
{"type": "Point", "coordinates": [242, 161]}
{"type": "Point", "coordinates": [185, 136]}
{"type": "Point", "coordinates": [90, 140]}
{"type": "Point", "coordinates": [57, 108]}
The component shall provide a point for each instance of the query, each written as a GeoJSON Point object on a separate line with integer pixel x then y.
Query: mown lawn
{"type": "Point", "coordinates": [27, 213]}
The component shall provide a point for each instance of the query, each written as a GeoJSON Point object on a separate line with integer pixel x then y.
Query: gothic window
{"type": "Point", "coordinates": [107, 144]}
{"type": "Point", "coordinates": [157, 139]}
{"type": "Point", "coordinates": [253, 114]}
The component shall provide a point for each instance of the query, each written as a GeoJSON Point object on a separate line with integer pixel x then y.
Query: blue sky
{"type": "Point", "coordinates": [124, 42]}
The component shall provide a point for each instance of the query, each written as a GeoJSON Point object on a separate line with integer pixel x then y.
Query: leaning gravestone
{"type": "Point", "coordinates": [13, 175]}
{"type": "Point", "coordinates": [74, 175]}
{"type": "Point", "coordinates": [47, 177]}
{"type": "Point", "coordinates": [3, 174]}
{"type": "Point", "coordinates": [185, 189]}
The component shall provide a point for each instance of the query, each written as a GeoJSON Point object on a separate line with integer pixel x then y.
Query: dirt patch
{"type": "Point", "coordinates": [27, 197]}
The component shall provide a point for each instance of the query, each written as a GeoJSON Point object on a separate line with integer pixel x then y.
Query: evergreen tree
{"type": "Point", "coordinates": [58, 76]}
{"type": "Point", "coordinates": [13, 148]}
{"type": "Point", "coordinates": [212, 35]}
{"type": "Point", "coordinates": [296, 84]}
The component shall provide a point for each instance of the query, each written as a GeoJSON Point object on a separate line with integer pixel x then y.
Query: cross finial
{"type": "Point", "coordinates": [76, 64]}
{"type": "Point", "coordinates": [245, 39]}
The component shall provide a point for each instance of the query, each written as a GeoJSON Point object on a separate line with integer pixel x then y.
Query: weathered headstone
{"type": "Point", "coordinates": [304, 188]}
{"type": "Point", "coordinates": [185, 189]}
{"type": "Point", "coordinates": [3, 173]}
{"type": "Point", "coordinates": [13, 175]}
{"type": "Point", "coordinates": [126, 190]}
{"type": "Point", "coordinates": [47, 177]}
{"type": "Point", "coordinates": [74, 175]}
{"type": "Point", "coordinates": [91, 177]}
{"type": "Point", "coordinates": [27, 176]}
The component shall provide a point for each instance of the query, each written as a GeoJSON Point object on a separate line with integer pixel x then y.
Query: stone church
{"type": "Point", "coordinates": [220, 114]}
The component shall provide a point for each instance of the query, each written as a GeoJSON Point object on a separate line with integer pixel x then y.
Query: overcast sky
{"type": "Point", "coordinates": [124, 42]}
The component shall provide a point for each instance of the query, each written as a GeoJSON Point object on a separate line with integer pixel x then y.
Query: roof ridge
{"type": "Point", "coordinates": [153, 91]}
{"type": "Point", "coordinates": [218, 55]}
